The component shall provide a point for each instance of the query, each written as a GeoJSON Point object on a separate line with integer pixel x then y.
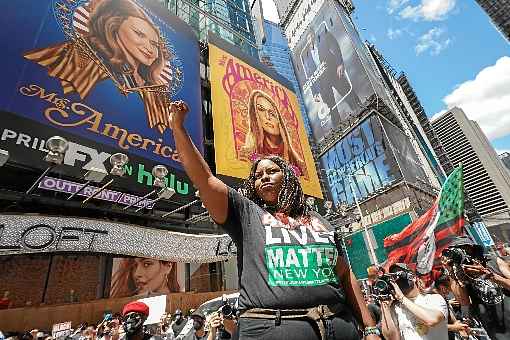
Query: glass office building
{"type": "Point", "coordinates": [275, 52]}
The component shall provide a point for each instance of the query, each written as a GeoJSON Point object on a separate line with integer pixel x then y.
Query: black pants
{"type": "Point", "coordinates": [344, 328]}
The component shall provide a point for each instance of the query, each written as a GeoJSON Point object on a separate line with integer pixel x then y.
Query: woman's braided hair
{"type": "Point", "coordinates": [291, 200]}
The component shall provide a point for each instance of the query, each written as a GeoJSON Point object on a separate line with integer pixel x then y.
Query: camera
{"type": "Point", "coordinates": [228, 310]}
{"type": "Point", "coordinates": [458, 256]}
{"type": "Point", "coordinates": [383, 289]}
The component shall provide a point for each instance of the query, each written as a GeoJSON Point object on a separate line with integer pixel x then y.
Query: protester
{"type": "Point", "coordinates": [455, 326]}
{"type": "Point", "coordinates": [178, 323]}
{"type": "Point", "coordinates": [476, 285]}
{"type": "Point", "coordinates": [272, 209]}
{"type": "Point", "coordinates": [412, 314]}
{"type": "Point", "coordinates": [198, 331]}
{"type": "Point", "coordinates": [134, 315]}
{"type": "Point", "coordinates": [216, 329]}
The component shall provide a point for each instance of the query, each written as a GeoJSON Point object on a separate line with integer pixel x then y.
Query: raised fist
{"type": "Point", "coordinates": [178, 111]}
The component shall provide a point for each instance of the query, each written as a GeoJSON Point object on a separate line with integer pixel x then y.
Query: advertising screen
{"type": "Point", "coordinates": [405, 154]}
{"type": "Point", "coordinates": [25, 140]}
{"type": "Point", "coordinates": [139, 275]}
{"type": "Point", "coordinates": [331, 64]}
{"type": "Point", "coordinates": [104, 70]}
{"type": "Point", "coordinates": [360, 163]}
{"type": "Point", "coordinates": [254, 114]}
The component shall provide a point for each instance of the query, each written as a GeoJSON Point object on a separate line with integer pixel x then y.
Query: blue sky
{"type": "Point", "coordinates": [449, 50]}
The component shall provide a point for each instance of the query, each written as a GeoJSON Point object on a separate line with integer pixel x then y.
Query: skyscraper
{"type": "Point", "coordinates": [230, 19]}
{"type": "Point", "coordinates": [275, 53]}
{"type": "Point", "coordinates": [485, 179]}
{"type": "Point", "coordinates": [505, 158]}
{"type": "Point", "coordinates": [499, 12]}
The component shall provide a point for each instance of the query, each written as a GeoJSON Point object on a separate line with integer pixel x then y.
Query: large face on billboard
{"type": "Point", "coordinates": [326, 53]}
{"type": "Point", "coordinates": [102, 69]}
{"type": "Point", "coordinates": [360, 163]}
{"type": "Point", "coordinates": [139, 275]}
{"type": "Point", "coordinates": [254, 115]}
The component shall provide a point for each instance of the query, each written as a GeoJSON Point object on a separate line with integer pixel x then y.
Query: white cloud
{"type": "Point", "coordinates": [437, 115]}
{"type": "Point", "coordinates": [270, 12]}
{"type": "Point", "coordinates": [433, 40]}
{"type": "Point", "coordinates": [486, 99]}
{"type": "Point", "coordinates": [394, 33]}
{"type": "Point", "coordinates": [500, 151]}
{"type": "Point", "coordinates": [428, 10]}
{"type": "Point", "coordinates": [393, 5]}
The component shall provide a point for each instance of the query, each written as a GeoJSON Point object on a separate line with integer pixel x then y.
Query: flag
{"type": "Point", "coordinates": [421, 243]}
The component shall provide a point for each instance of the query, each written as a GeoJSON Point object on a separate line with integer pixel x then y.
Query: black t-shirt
{"type": "Point", "coordinates": [281, 268]}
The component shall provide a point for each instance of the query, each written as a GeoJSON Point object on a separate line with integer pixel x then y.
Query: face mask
{"type": "Point", "coordinates": [197, 325]}
{"type": "Point", "coordinates": [178, 318]}
{"type": "Point", "coordinates": [133, 323]}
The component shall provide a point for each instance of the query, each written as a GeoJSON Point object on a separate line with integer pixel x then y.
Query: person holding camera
{"type": "Point", "coordinates": [411, 315]}
{"type": "Point", "coordinates": [480, 286]}
{"type": "Point", "coordinates": [217, 330]}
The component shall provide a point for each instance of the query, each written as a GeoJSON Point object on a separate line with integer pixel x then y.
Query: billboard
{"type": "Point", "coordinates": [25, 234]}
{"type": "Point", "coordinates": [403, 150]}
{"type": "Point", "coordinates": [25, 140]}
{"type": "Point", "coordinates": [138, 275]}
{"type": "Point", "coordinates": [104, 70]}
{"type": "Point", "coordinates": [254, 114]}
{"type": "Point", "coordinates": [331, 63]}
{"type": "Point", "coordinates": [360, 163]}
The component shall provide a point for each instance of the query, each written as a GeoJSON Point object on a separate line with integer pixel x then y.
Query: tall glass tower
{"type": "Point", "coordinates": [230, 19]}
{"type": "Point", "coordinates": [275, 52]}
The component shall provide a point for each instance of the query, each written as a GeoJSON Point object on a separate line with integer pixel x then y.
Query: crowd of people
{"type": "Point", "coordinates": [466, 300]}
{"type": "Point", "coordinates": [129, 325]}
{"type": "Point", "coordinates": [276, 233]}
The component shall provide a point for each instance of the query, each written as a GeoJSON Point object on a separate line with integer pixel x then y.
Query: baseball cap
{"type": "Point", "coordinates": [137, 307]}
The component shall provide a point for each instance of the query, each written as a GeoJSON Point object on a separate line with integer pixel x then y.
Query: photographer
{"type": "Point", "coordinates": [476, 283]}
{"type": "Point", "coordinates": [217, 330]}
{"type": "Point", "coordinates": [455, 326]}
{"type": "Point", "coordinates": [411, 314]}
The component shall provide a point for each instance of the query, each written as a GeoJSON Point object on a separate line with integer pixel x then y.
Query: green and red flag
{"type": "Point", "coordinates": [421, 243]}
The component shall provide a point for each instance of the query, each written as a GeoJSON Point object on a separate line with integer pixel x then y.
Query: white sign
{"type": "Point", "coordinates": [157, 307]}
{"type": "Point", "coordinates": [61, 330]}
{"type": "Point", "coordinates": [300, 20]}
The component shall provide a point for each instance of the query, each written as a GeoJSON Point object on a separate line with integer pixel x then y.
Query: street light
{"type": "Point", "coordinates": [363, 225]}
{"type": "Point", "coordinates": [57, 147]}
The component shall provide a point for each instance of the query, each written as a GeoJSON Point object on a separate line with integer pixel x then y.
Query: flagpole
{"type": "Point", "coordinates": [363, 225]}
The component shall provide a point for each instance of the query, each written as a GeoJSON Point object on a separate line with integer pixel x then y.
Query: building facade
{"type": "Point", "coordinates": [505, 158]}
{"type": "Point", "coordinates": [275, 53]}
{"type": "Point", "coordinates": [230, 19]}
{"type": "Point", "coordinates": [499, 12]}
{"type": "Point", "coordinates": [485, 179]}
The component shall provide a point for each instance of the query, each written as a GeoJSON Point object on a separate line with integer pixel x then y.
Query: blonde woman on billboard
{"type": "Point", "coordinates": [268, 133]}
{"type": "Point", "coordinates": [113, 39]}
{"type": "Point", "coordinates": [139, 275]}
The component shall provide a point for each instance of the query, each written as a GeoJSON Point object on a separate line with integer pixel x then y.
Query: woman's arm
{"type": "Point", "coordinates": [389, 329]}
{"type": "Point", "coordinates": [213, 192]}
{"type": "Point", "coordinates": [353, 293]}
